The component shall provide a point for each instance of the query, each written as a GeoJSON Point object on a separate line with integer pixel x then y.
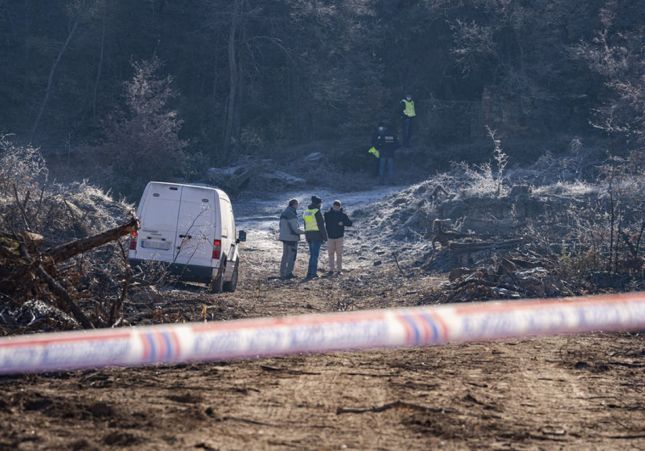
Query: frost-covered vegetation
{"type": "Point", "coordinates": [37, 214]}
{"type": "Point", "coordinates": [29, 200]}
{"type": "Point", "coordinates": [586, 233]}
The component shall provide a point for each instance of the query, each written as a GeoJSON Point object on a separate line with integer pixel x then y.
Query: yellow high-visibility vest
{"type": "Point", "coordinates": [409, 108]}
{"type": "Point", "coordinates": [309, 216]}
{"type": "Point", "coordinates": [374, 151]}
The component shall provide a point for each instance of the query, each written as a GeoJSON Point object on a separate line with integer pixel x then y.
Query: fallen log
{"type": "Point", "coordinates": [476, 246]}
{"type": "Point", "coordinates": [68, 250]}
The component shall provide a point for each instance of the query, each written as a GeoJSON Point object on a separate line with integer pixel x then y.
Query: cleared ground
{"type": "Point", "coordinates": [584, 392]}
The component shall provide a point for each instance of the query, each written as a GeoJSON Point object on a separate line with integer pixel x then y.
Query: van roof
{"type": "Point", "coordinates": [192, 185]}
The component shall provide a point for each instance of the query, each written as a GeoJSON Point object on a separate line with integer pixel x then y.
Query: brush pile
{"type": "Point", "coordinates": [526, 240]}
{"type": "Point", "coordinates": [60, 248]}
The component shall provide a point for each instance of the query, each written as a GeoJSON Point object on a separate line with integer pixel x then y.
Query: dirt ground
{"type": "Point", "coordinates": [582, 392]}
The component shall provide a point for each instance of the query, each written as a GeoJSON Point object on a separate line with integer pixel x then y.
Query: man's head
{"type": "Point", "coordinates": [293, 203]}
{"type": "Point", "coordinates": [408, 97]}
{"type": "Point", "coordinates": [336, 205]}
{"type": "Point", "coordinates": [315, 200]}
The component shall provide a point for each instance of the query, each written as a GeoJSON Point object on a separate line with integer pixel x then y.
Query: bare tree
{"type": "Point", "coordinates": [234, 75]}
{"type": "Point", "coordinates": [100, 65]}
{"type": "Point", "coordinates": [147, 132]}
{"type": "Point", "coordinates": [52, 72]}
{"type": "Point", "coordinates": [617, 56]}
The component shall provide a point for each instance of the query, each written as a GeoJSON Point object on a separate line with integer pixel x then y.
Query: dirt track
{"type": "Point", "coordinates": [564, 392]}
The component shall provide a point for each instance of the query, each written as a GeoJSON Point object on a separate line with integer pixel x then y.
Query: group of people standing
{"type": "Point", "coordinates": [318, 228]}
{"type": "Point", "coordinates": [385, 141]}
{"type": "Point", "coordinates": [330, 226]}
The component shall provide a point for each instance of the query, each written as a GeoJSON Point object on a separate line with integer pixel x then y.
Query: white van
{"type": "Point", "coordinates": [192, 228]}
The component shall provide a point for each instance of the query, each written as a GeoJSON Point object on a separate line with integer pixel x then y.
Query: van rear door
{"type": "Point", "coordinates": [197, 226]}
{"type": "Point", "coordinates": [228, 227]}
{"type": "Point", "coordinates": [158, 222]}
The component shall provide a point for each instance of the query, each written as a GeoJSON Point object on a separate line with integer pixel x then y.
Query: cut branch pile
{"type": "Point", "coordinates": [28, 272]}
{"type": "Point", "coordinates": [519, 275]}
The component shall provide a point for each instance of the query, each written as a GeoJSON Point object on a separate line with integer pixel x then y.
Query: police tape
{"type": "Point", "coordinates": [318, 333]}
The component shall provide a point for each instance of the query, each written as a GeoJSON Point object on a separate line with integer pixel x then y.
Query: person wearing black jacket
{"type": "Point", "coordinates": [386, 143]}
{"type": "Point", "coordinates": [335, 221]}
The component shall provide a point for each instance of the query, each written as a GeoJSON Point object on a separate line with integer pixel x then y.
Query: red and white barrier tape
{"type": "Point", "coordinates": [253, 338]}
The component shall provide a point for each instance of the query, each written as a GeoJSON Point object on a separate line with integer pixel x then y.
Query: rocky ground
{"type": "Point", "coordinates": [577, 392]}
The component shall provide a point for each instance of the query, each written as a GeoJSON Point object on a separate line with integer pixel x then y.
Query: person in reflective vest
{"type": "Point", "coordinates": [315, 233]}
{"type": "Point", "coordinates": [407, 114]}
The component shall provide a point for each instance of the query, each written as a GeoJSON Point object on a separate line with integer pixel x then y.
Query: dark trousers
{"type": "Point", "coordinates": [314, 252]}
{"type": "Point", "coordinates": [407, 131]}
{"type": "Point", "coordinates": [386, 167]}
{"type": "Point", "coordinates": [289, 254]}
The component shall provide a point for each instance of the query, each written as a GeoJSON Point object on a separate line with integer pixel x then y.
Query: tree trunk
{"type": "Point", "coordinates": [68, 250]}
{"type": "Point", "coordinates": [27, 25]}
{"type": "Point", "coordinates": [237, 120]}
{"type": "Point", "coordinates": [100, 68]}
{"type": "Point", "coordinates": [234, 77]}
{"type": "Point", "coordinates": [50, 80]}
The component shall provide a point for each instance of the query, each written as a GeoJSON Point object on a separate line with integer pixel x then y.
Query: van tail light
{"type": "Point", "coordinates": [217, 249]}
{"type": "Point", "coordinates": [133, 240]}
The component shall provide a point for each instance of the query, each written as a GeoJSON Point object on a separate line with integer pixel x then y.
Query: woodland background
{"type": "Point", "coordinates": [121, 90]}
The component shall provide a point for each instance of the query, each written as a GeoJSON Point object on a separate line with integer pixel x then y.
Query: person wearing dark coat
{"type": "Point", "coordinates": [386, 143]}
{"type": "Point", "coordinates": [315, 234]}
{"type": "Point", "coordinates": [335, 221]}
{"type": "Point", "coordinates": [290, 233]}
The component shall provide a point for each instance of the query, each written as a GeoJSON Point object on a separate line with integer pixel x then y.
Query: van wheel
{"type": "Point", "coordinates": [232, 285]}
{"type": "Point", "coordinates": [217, 283]}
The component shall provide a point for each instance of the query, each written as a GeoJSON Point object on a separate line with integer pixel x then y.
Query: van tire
{"type": "Point", "coordinates": [231, 286]}
{"type": "Point", "coordinates": [217, 283]}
